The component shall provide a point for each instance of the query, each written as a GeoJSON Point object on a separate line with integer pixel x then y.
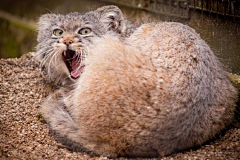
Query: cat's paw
{"type": "Point", "coordinates": [106, 150]}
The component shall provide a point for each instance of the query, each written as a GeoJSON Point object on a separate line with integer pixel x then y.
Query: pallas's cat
{"type": "Point", "coordinates": [146, 91]}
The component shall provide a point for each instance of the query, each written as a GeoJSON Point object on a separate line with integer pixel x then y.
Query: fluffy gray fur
{"type": "Point", "coordinates": [150, 93]}
{"type": "Point", "coordinates": [104, 20]}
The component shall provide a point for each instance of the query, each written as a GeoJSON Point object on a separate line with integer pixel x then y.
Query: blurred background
{"type": "Point", "coordinates": [217, 21]}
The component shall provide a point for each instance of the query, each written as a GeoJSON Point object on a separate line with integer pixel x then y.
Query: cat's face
{"type": "Point", "coordinates": [64, 40]}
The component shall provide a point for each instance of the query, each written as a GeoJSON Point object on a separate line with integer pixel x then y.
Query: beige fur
{"type": "Point", "coordinates": [158, 91]}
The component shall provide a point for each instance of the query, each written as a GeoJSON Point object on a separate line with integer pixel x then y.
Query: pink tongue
{"type": "Point", "coordinates": [76, 71]}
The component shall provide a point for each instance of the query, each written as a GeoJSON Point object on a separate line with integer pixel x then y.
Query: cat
{"type": "Point", "coordinates": [144, 91]}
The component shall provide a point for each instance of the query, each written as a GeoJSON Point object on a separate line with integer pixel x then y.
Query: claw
{"type": "Point", "coordinates": [161, 154]}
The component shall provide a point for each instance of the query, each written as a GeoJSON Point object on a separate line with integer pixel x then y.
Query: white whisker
{"type": "Point", "coordinates": [81, 58]}
{"type": "Point", "coordinates": [47, 55]}
{"type": "Point", "coordinates": [51, 61]}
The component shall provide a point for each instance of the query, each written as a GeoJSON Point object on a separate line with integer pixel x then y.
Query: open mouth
{"type": "Point", "coordinates": [73, 61]}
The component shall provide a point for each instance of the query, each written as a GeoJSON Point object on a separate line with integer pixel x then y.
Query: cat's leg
{"type": "Point", "coordinates": [55, 113]}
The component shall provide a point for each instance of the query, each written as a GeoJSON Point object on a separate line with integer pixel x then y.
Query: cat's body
{"type": "Point", "coordinates": [154, 92]}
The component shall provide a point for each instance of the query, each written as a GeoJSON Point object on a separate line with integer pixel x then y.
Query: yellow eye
{"type": "Point", "coordinates": [84, 31]}
{"type": "Point", "coordinates": [57, 32]}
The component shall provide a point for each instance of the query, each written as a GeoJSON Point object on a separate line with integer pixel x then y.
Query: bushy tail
{"type": "Point", "coordinates": [55, 113]}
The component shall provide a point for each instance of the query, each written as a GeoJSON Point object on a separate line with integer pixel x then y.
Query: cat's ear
{"type": "Point", "coordinates": [111, 16]}
{"type": "Point", "coordinates": [44, 25]}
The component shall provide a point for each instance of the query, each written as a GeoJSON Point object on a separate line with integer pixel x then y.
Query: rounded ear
{"type": "Point", "coordinates": [44, 24]}
{"type": "Point", "coordinates": [111, 16]}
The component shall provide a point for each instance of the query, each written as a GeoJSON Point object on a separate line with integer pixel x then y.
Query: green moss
{"type": "Point", "coordinates": [40, 118]}
{"type": "Point", "coordinates": [15, 39]}
{"type": "Point", "coordinates": [236, 82]}
{"type": "Point", "coordinates": [27, 26]}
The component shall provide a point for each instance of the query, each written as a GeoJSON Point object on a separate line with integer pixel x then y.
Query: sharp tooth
{"type": "Point", "coordinates": [64, 53]}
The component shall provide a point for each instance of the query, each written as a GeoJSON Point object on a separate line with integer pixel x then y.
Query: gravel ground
{"type": "Point", "coordinates": [23, 135]}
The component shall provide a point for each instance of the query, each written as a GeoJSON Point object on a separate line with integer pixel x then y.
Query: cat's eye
{"type": "Point", "coordinates": [57, 32]}
{"type": "Point", "coordinates": [84, 31]}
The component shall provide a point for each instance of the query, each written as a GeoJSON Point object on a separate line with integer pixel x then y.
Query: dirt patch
{"type": "Point", "coordinates": [23, 135]}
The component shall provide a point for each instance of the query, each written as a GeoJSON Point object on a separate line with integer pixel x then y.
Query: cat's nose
{"type": "Point", "coordinates": [67, 41]}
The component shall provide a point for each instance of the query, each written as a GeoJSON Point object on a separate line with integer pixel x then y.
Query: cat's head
{"type": "Point", "coordinates": [64, 40]}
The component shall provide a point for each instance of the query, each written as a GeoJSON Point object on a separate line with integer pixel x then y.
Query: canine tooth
{"type": "Point", "coordinates": [64, 53]}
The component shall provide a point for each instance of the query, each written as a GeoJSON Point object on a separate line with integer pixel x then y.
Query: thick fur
{"type": "Point", "coordinates": [104, 20]}
{"type": "Point", "coordinates": [158, 91]}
